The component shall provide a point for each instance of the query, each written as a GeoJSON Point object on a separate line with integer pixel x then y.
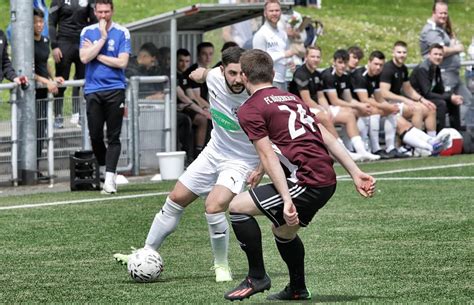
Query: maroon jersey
{"type": "Point", "coordinates": [292, 129]}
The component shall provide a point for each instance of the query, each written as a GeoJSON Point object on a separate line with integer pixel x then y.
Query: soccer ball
{"type": "Point", "coordinates": [145, 265]}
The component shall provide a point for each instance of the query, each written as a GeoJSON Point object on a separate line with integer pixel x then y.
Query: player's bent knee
{"type": "Point", "coordinates": [200, 120]}
{"type": "Point", "coordinates": [285, 231]}
{"type": "Point", "coordinates": [182, 195]}
{"type": "Point", "coordinates": [243, 203]}
{"type": "Point", "coordinates": [216, 207]}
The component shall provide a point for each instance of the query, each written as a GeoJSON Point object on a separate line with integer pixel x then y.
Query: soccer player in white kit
{"type": "Point", "coordinates": [225, 166]}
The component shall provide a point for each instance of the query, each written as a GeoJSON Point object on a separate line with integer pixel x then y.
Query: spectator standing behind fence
{"type": "Point", "coordinates": [43, 76]}
{"type": "Point", "coordinates": [6, 67]}
{"type": "Point", "coordinates": [438, 29]}
{"type": "Point", "coordinates": [426, 79]}
{"type": "Point", "coordinates": [241, 32]}
{"type": "Point", "coordinates": [105, 49]}
{"type": "Point", "coordinates": [67, 18]}
{"type": "Point", "coordinates": [274, 40]}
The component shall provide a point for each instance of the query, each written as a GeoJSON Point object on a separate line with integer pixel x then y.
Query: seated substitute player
{"type": "Point", "coordinates": [336, 86]}
{"type": "Point", "coordinates": [355, 56]}
{"type": "Point", "coordinates": [284, 133]}
{"type": "Point", "coordinates": [395, 87]}
{"type": "Point", "coordinates": [365, 84]}
{"type": "Point", "coordinates": [306, 84]}
{"type": "Point", "coordinates": [220, 171]}
{"type": "Point", "coordinates": [427, 81]}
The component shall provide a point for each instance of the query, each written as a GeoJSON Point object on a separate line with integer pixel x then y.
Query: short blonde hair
{"type": "Point", "coordinates": [271, 1]}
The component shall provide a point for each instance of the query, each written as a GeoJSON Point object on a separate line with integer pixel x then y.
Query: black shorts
{"type": "Point", "coordinates": [307, 201]}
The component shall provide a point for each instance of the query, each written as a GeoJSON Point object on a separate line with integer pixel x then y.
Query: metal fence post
{"type": "Point", "coordinates": [14, 135]}
{"type": "Point", "coordinates": [168, 125]}
{"type": "Point", "coordinates": [50, 131]}
{"type": "Point", "coordinates": [133, 116]}
{"type": "Point", "coordinates": [21, 13]}
{"type": "Point", "coordinates": [86, 142]}
{"type": "Point", "coordinates": [173, 82]}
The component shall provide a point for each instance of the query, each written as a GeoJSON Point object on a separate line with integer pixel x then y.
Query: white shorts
{"type": "Point", "coordinates": [334, 110]}
{"type": "Point", "coordinates": [210, 169]}
{"type": "Point", "coordinates": [400, 106]}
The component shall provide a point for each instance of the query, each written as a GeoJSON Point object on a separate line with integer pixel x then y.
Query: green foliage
{"type": "Point", "coordinates": [411, 243]}
{"type": "Point", "coordinates": [373, 24]}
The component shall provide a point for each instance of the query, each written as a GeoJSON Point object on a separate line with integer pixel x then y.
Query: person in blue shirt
{"type": "Point", "coordinates": [105, 50]}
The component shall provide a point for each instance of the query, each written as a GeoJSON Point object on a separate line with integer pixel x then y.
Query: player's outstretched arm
{"type": "Point", "coordinates": [199, 75]}
{"type": "Point", "coordinates": [272, 167]}
{"type": "Point", "coordinates": [256, 176]}
{"type": "Point", "coordinates": [364, 184]}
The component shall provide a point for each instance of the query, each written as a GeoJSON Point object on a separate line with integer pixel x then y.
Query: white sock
{"type": "Point", "coordinates": [165, 223]}
{"type": "Point", "coordinates": [102, 169]}
{"type": "Point", "coordinates": [431, 133]}
{"type": "Point", "coordinates": [346, 140]}
{"type": "Point", "coordinates": [219, 234]}
{"type": "Point", "coordinates": [363, 124]}
{"type": "Point", "coordinates": [417, 138]}
{"type": "Point", "coordinates": [390, 128]}
{"type": "Point", "coordinates": [374, 129]}
{"type": "Point", "coordinates": [359, 145]}
{"type": "Point", "coordinates": [109, 178]}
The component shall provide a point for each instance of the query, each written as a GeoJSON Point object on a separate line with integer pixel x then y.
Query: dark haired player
{"type": "Point", "coordinates": [220, 171]}
{"type": "Point", "coordinates": [365, 84]}
{"type": "Point", "coordinates": [284, 133]}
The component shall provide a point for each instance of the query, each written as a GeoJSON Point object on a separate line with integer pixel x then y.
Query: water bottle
{"type": "Point", "coordinates": [24, 82]}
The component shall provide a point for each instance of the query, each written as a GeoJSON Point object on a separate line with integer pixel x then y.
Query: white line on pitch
{"type": "Point", "coordinates": [111, 197]}
{"type": "Point", "coordinates": [406, 170]}
{"type": "Point", "coordinates": [340, 178]}
{"type": "Point", "coordinates": [416, 178]}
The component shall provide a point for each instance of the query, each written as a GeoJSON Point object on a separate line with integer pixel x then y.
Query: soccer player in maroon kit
{"type": "Point", "coordinates": [286, 135]}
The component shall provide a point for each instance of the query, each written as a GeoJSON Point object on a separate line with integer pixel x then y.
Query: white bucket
{"type": "Point", "coordinates": [171, 164]}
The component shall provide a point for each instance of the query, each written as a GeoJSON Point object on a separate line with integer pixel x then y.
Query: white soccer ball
{"type": "Point", "coordinates": [145, 265]}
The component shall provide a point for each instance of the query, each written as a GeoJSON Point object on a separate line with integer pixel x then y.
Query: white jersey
{"type": "Point", "coordinates": [274, 42]}
{"type": "Point", "coordinates": [227, 138]}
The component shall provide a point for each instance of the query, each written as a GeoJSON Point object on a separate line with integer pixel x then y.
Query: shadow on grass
{"type": "Point", "coordinates": [332, 299]}
{"type": "Point", "coordinates": [342, 298]}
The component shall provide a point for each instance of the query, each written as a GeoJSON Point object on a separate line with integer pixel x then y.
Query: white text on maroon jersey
{"type": "Point", "coordinates": [278, 98]}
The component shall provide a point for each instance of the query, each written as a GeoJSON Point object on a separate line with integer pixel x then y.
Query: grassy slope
{"type": "Point", "coordinates": [367, 23]}
{"type": "Point", "coordinates": [372, 24]}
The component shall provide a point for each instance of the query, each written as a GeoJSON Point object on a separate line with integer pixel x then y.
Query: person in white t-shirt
{"type": "Point", "coordinates": [273, 39]}
{"type": "Point", "coordinates": [220, 172]}
{"type": "Point", "coordinates": [240, 32]}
